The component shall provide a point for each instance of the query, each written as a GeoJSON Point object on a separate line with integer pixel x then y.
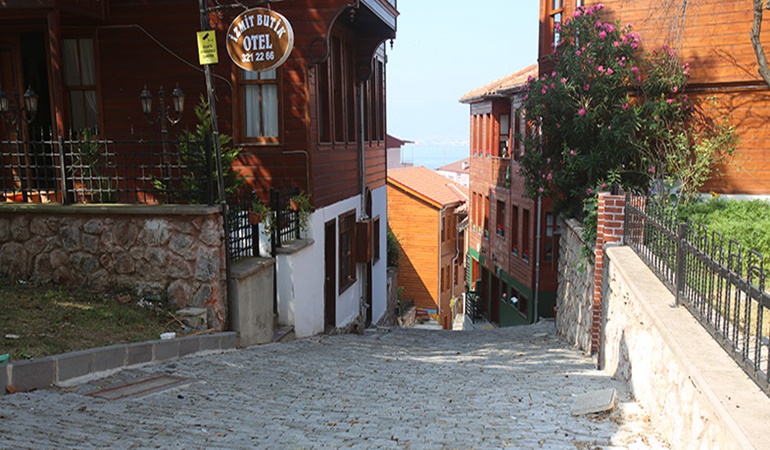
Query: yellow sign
{"type": "Point", "coordinates": [207, 47]}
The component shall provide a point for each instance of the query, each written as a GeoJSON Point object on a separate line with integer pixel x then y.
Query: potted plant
{"type": "Point", "coordinates": [259, 212]}
{"type": "Point", "coordinates": [300, 203]}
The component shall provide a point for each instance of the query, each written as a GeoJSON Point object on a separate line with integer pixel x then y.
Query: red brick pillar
{"type": "Point", "coordinates": [609, 228]}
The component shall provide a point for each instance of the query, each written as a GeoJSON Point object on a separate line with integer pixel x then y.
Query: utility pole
{"type": "Point", "coordinates": [218, 158]}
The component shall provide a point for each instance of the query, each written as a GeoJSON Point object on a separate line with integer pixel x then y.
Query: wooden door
{"type": "Point", "coordinates": [330, 274]}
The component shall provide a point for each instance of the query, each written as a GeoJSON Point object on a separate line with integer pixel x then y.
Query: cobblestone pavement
{"type": "Point", "coordinates": [501, 388]}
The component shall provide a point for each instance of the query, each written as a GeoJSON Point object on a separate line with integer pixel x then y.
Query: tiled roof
{"type": "Point", "coordinates": [461, 166]}
{"type": "Point", "coordinates": [497, 87]}
{"type": "Point", "coordinates": [427, 183]}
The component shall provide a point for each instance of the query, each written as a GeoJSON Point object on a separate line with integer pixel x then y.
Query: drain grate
{"type": "Point", "coordinates": [140, 388]}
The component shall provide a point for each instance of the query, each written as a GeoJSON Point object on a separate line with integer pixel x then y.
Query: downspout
{"type": "Point", "coordinates": [362, 148]}
{"type": "Point", "coordinates": [440, 244]}
{"type": "Point", "coordinates": [537, 258]}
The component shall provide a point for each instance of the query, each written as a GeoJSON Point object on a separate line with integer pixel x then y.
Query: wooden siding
{"type": "Point", "coordinates": [715, 41]}
{"type": "Point", "coordinates": [495, 248]}
{"type": "Point", "coordinates": [415, 224]}
{"type": "Point", "coordinates": [130, 54]}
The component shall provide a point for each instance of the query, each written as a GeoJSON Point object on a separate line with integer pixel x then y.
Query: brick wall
{"type": "Point", "coordinates": [609, 228]}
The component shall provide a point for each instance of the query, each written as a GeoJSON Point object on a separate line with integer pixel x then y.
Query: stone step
{"type": "Point", "coordinates": [284, 334]}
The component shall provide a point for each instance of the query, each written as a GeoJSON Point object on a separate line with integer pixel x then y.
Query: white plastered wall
{"type": "Point", "coordinates": [301, 274]}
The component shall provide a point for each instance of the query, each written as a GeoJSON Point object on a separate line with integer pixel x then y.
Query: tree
{"type": "Point", "coordinates": [607, 114]}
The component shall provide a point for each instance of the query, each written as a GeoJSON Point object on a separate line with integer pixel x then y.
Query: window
{"type": "Point", "coordinates": [551, 238]}
{"type": "Point", "coordinates": [515, 230]}
{"type": "Point", "coordinates": [336, 93]}
{"type": "Point", "coordinates": [523, 305]}
{"type": "Point", "coordinates": [525, 235]}
{"type": "Point", "coordinates": [505, 124]}
{"type": "Point", "coordinates": [556, 14]}
{"type": "Point", "coordinates": [500, 218]}
{"type": "Point", "coordinates": [443, 228]}
{"type": "Point", "coordinates": [347, 266]}
{"type": "Point", "coordinates": [260, 105]}
{"type": "Point", "coordinates": [486, 216]}
{"type": "Point", "coordinates": [80, 83]}
{"type": "Point", "coordinates": [518, 137]}
{"type": "Point", "coordinates": [374, 109]}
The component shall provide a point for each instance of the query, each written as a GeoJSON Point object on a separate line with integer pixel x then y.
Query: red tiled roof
{"type": "Point", "coordinates": [427, 183]}
{"type": "Point", "coordinates": [510, 82]}
{"type": "Point", "coordinates": [461, 166]}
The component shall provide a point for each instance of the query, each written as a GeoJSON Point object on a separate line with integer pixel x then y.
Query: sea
{"type": "Point", "coordinates": [433, 156]}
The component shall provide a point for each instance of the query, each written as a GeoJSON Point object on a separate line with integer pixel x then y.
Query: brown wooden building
{"type": "Point", "coordinates": [513, 240]}
{"type": "Point", "coordinates": [424, 210]}
{"type": "Point", "coordinates": [714, 38]}
{"type": "Point", "coordinates": [317, 123]}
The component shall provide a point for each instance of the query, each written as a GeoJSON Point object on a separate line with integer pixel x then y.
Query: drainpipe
{"type": "Point", "coordinates": [537, 258]}
{"type": "Point", "coordinates": [362, 148]}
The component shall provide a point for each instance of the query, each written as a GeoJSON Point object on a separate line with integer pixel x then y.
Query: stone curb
{"type": "Point", "coordinates": [45, 372]}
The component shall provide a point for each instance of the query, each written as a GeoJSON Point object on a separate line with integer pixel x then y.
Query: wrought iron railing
{"type": "Point", "coordinates": [244, 236]}
{"type": "Point", "coordinates": [722, 285]}
{"type": "Point", "coordinates": [473, 306]}
{"type": "Point", "coordinates": [286, 220]}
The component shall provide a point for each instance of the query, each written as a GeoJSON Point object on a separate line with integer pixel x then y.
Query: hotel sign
{"type": "Point", "coordinates": [259, 39]}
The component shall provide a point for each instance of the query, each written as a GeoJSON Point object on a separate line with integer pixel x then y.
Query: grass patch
{"type": "Point", "coordinates": [745, 221]}
{"type": "Point", "coordinates": [37, 321]}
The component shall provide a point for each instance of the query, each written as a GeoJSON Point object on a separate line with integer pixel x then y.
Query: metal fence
{"type": "Point", "coordinates": [720, 283]}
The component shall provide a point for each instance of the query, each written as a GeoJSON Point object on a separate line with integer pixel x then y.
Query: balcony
{"type": "Point", "coordinates": [500, 172]}
{"type": "Point", "coordinates": [384, 9]}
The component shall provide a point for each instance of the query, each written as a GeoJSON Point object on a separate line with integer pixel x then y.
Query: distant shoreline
{"type": "Point", "coordinates": [433, 156]}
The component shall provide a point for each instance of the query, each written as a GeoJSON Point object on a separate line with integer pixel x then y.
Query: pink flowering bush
{"type": "Point", "coordinates": [605, 112]}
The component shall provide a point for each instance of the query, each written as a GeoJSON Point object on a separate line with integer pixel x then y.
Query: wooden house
{"type": "Point", "coordinates": [513, 240]}
{"type": "Point", "coordinates": [424, 210]}
{"type": "Point", "coordinates": [714, 38]}
{"type": "Point", "coordinates": [316, 123]}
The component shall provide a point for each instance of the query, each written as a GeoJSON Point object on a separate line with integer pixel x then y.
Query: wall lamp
{"type": "Point", "coordinates": [30, 106]}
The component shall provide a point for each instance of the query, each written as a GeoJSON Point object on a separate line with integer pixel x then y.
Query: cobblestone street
{"type": "Point", "coordinates": [409, 388]}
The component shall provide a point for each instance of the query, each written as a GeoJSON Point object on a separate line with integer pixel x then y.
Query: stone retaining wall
{"type": "Point", "coordinates": [696, 395]}
{"type": "Point", "coordinates": [168, 251]}
{"type": "Point", "coordinates": [576, 284]}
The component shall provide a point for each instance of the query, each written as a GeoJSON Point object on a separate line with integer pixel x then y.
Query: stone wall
{"type": "Point", "coordinates": [576, 284]}
{"type": "Point", "coordinates": [168, 251]}
{"type": "Point", "coordinates": [696, 395]}
{"type": "Point", "coordinates": [391, 307]}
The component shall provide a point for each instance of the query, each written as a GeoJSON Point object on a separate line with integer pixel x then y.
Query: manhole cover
{"type": "Point", "coordinates": [138, 388]}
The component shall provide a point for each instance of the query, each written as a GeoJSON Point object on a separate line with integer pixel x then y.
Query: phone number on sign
{"type": "Point", "coordinates": [258, 56]}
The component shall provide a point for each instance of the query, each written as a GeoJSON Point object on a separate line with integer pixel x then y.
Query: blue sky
{"type": "Point", "coordinates": [444, 49]}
